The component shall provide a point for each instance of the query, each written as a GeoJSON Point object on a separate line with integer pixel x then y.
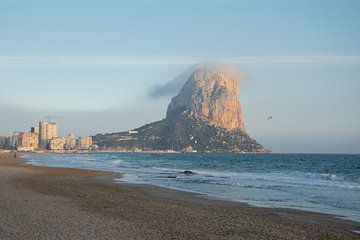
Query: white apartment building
{"type": "Point", "coordinates": [70, 142]}
{"type": "Point", "coordinates": [47, 131]}
{"type": "Point", "coordinates": [57, 143]}
{"type": "Point", "coordinates": [84, 143]}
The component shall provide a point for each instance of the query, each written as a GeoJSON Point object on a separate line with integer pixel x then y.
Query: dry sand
{"type": "Point", "coordinates": [57, 203]}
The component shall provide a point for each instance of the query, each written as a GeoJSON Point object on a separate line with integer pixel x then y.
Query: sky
{"type": "Point", "coordinates": [108, 66]}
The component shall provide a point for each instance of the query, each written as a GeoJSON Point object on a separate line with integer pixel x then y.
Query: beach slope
{"type": "Point", "coordinates": [57, 203]}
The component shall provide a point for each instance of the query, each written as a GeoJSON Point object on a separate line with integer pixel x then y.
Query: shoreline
{"type": "Point", "coordinates": [193, 194]}
{"type": "Point", "coordinates": [161, 152]}
{"type": "Point", "coordinates": [121, 180]}
{"type": "Point", "coordinates": [131, 204]}
{"type": "Point", "coordinates": [159, 191]}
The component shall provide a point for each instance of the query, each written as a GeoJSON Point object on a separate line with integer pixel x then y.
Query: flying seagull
{"type": "Point", "coordinates": [269, 118]}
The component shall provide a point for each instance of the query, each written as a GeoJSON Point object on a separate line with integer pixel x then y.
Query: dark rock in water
{"type": "Point", "coordinates": [204, 117]}
{"type": "Point", "coordinates": [188, 172]}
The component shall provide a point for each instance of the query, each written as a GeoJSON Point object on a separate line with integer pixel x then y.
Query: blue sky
{"type": "Point", "coordinates": [94, 62]}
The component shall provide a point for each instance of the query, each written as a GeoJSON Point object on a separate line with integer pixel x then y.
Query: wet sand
{"type": "Point", "coordinates": [58, 203]}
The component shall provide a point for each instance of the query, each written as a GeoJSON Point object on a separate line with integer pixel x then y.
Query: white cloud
{"type": "Point", "coordinates": [59, 61]}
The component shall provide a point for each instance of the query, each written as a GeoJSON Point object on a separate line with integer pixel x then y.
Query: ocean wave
{"type": "Point", "coordinates": [280, 181]}
{"type": "Point", "coordinates": [118, 163]}
{"type": "Point", "coordinates": [272, 178]}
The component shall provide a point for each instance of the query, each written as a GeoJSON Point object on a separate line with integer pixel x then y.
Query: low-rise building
{"type": "Point", "coordinates": [27, 141]}
{"type": "Point", "coordinates": [84, 143]}
{"type": "Point", "coordinates": [57, 143]}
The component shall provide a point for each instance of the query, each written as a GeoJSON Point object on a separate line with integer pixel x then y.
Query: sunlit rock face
{"type": "Point", "coordinates": [212, 96]}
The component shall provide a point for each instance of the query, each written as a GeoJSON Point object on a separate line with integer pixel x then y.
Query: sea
{"type": "Point", "coordinates": [326, 183]}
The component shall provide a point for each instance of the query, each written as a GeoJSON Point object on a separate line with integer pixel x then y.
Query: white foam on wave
{"type": "Point", "coordinates": [288, 178]}
{"type": "Point", "coordinates": [169, 170]}
{"type": "Point", "coordinates": [290, 188]}
{"type": "Point", "coordinates": [118, 163]}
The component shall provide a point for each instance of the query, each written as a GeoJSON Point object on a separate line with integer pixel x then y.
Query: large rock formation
{"type": "Point", "coordinates": [210, 95]}
{"type": "Point", "coordinates": [205, 116]}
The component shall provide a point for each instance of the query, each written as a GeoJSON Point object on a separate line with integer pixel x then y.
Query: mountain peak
{"type": "Point", "coordinates": [210, 94]}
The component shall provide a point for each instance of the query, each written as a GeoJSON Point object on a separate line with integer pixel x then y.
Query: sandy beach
{"type": "Point", "coordinates": [58, 203]}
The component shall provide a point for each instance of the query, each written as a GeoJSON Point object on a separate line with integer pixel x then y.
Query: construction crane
{"type": "Point", "coordinates": [50, 117]}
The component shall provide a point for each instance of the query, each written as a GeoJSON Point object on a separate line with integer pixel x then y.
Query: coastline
{"type": "Point", "coordinates": [72, 202]}
{"type": "Point", "coordinates": [127, 151]}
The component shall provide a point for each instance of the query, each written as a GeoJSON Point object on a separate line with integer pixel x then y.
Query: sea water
{"type": "Point", "coordinates": [328, 183]}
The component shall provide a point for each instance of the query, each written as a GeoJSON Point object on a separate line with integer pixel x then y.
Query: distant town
{"type": "Point", "coordinates": [45, 138]}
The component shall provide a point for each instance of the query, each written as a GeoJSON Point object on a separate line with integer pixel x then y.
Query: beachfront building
{"type": "Point", "coordinates": [70, 142]}
{"type": "Point", "coordinates": [84, 143]}
{"type": "Point", "coordinates": [57, 143]}
{"type": "Point", "coordinates": [47, 131]}
{"type": "Point", "coordinates": [13, 140]}
{"type": "Point", "coordinates": [35, 130]}
{"type": "Point", "coordinates": [2, 142]}
{"type": "Point", "coordinates": [27, 141]}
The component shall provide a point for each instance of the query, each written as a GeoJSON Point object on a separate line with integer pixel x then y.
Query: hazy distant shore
{"type": "Point", "coordinates": [120, 151]}
{"type": "Point", "coordinates": [54, 203]}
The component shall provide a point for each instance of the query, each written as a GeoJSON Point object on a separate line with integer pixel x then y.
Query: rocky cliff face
{"type": "Point", "coordinates": [204, 117]}
{"type": "Point", "coordinates": [212, 96]}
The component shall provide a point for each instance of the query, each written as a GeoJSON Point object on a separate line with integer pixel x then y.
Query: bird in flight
{"type": "Point", "coordinates": [269, 118]}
